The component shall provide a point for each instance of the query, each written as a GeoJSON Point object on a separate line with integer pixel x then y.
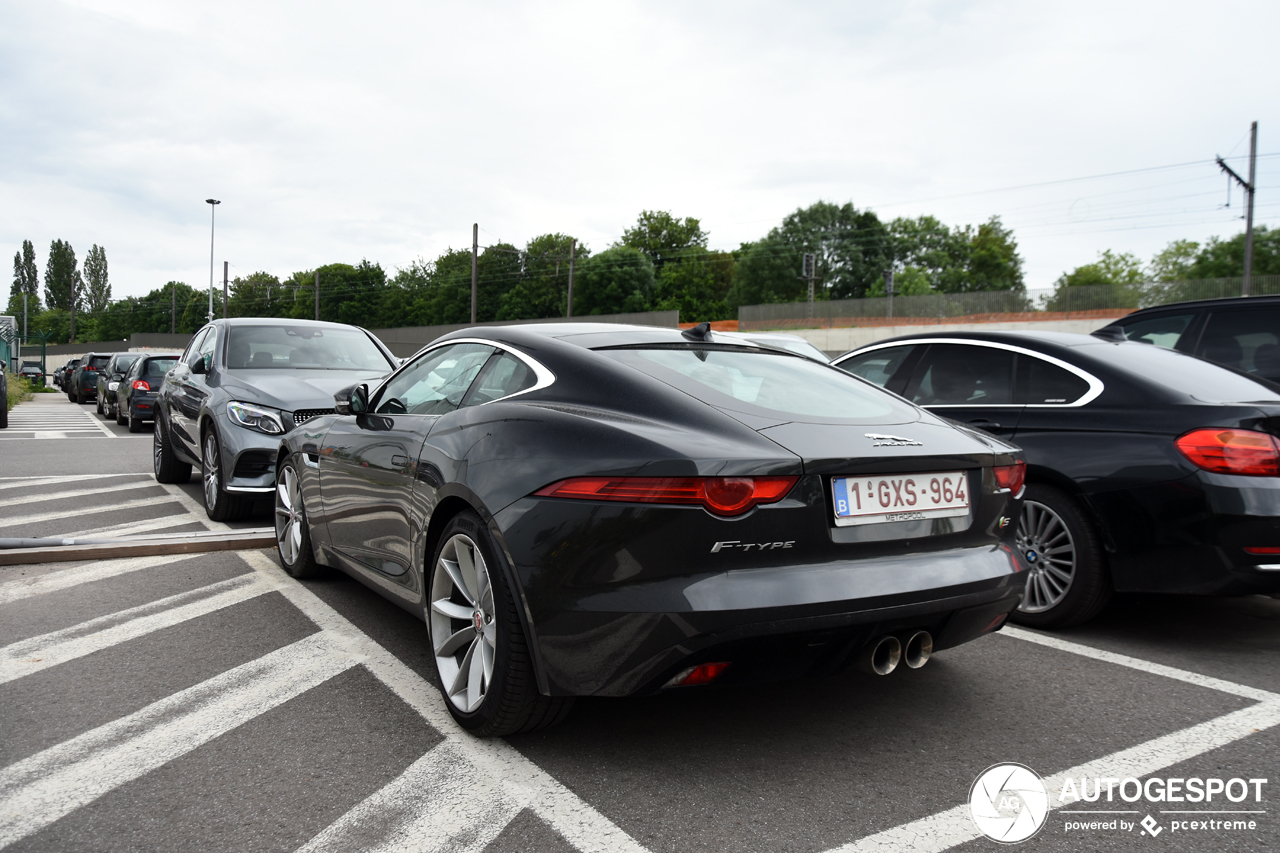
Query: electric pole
{"type": "Point", "coordinates": [173, 307]}
{"type": "Point", "coordinates": [317, 294]}
{"type": "Point", "coordinates": [1249, 187]}
{"type": "Point", "coordinates": [213, 203]}
{"type": "Point", "coordinates": [475, 254]}
{"type": "Point", "coordinates": [24, 314]}
{"type": "Point", "coordinates": [225, 264]}
{"type": "Point", "coordinates": [808, 270]}
{"type": "Point", "coordinates": [572, 245]}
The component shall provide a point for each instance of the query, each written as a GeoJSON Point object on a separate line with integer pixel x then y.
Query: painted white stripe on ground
{"type": "Point", "coordinates": [580, 824]}
{"type": "Point", "coordinates": [38, 653]}
{"type": "Point", "coordinates": [73, 478]}
{"type": "Point", "coordinates": [77, 493]}
{"type": "Point", "coordinates": [195, 509]}
{"type": "Point", "coordinates": [1141, 665]}
{"type": "Point", "coordinates": [37, 518]}
{"type": "Point", "coordinates": [41, 789]}
{"type": "Point", "coordinates": [82, 574]}
{"type": "Point", "coordinates": [955, 826]}
{"type": "Point", "coordinates": [439, 803]}
{"type": "Point", "coordinates": [153, 525]}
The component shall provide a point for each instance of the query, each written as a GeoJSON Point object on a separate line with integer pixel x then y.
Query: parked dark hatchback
{"type": "Point", "coordinates": [62, 374]}
{"type": "Point", "coordinates": [83, 386]}
{"type": "Point", "coordinates": [590, 509]}
{"type": "Point", "coordinates": [1242, 333]}
{"type": "Point", "coordinates": [109, 380]}
{"type": "Point", "coordinates": [140, 387]}
{"type": "Point", "coordinates": [1148, 469]}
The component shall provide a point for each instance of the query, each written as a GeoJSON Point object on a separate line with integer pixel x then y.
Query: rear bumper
{"type": "Point", "coordinates": [142, 407]}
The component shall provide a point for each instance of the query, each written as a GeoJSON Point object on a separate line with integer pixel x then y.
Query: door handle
{"type": "Point", "coordinates": [983, 423]}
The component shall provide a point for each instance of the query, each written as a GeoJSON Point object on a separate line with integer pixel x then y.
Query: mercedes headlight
{"type": "Point", "coordinates": [256, 417]}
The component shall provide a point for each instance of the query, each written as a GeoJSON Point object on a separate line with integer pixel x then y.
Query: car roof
{"type": "Point", "coordinates": [280, 321]}
{"type": "Point", "coordinates": [593, 335]}
{"type": "Point", "coordinates": [1046, 341]}
{"type": "Point", "coordinates": [1197, 304]}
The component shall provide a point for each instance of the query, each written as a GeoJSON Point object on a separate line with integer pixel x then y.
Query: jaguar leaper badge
{"type": "Point", "coordinates": [879, 440]}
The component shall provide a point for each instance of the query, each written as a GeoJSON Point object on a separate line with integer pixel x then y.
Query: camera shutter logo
{"type": "Point", "coordinates": [1008, 803]}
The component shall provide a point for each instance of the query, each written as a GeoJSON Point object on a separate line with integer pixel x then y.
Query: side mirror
{"type": "Point", "coordinates": [201, 366]}
{"type": "Point", "coordinates": [353, 400]}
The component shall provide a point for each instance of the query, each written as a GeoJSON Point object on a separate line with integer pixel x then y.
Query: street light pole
{"type": "Point", "coordinates": [212, 202]}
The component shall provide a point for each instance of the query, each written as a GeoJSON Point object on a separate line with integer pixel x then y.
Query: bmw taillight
{"type": "Point", "coordinates": [1232, 451]}
{"type": "Point", "coordinates": [1011, 477]}
{"type": "Point", "coordinates": [141, 385]}
{"type": "Point", "coordinates": [720, 495]}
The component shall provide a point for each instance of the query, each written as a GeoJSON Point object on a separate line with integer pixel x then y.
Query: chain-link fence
{"type": "Point", "coordinates": [1060, 303]}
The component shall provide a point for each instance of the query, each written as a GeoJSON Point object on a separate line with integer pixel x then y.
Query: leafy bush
{"type": "Point", "coordinates": [19, 391]}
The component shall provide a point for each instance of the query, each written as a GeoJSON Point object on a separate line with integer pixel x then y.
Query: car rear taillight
{"type": "Point", "coordinates": [141, 385]}
{"type": "Point", "coordinates": [701, 674]}
{"type": "Point", "coordinates": [1011, 477]}
{"type": "Point", "coordinates": [1232, 451]}
{"type": "Point", "coordinates": [1262, 550]}
{"type": "Point", "coordinates": [720, 495]}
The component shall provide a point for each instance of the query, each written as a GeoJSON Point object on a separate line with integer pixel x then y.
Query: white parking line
{"type": "Point", "coordinates": [45, 480]}
{"type": "Point", "coordinates": [151, 525]}
{"type": "Point", "coordinates": [36, 518]}
{"type": "Point", "coordinates": [77, 493]}
{"type": "Point", "coordinates": [194, 509]}
{"type": "Point", "coordinates": [581, 825]}
{"type": "Point", "coordinates": [440, 803]}
{"type": "Point", "coordinates": [39, 790]}
{"type": "Point", "coordinates": [955, 826]}
{"type": "Point", "coordinates": [37, 653]}
{"type": "Point", "coordinates": [82, 574]}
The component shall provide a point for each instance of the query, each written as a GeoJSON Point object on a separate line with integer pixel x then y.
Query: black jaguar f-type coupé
{"type": "Point", "coordinates": [589, 509]}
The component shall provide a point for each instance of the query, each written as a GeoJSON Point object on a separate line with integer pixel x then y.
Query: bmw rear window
{"type": "Point", "coordinates": [1186, 374]}
{"type": "Point", "coordinates": [777, 383]}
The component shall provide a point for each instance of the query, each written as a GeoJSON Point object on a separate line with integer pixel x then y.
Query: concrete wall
{"type": "Point", "coordinates": [838, 341]}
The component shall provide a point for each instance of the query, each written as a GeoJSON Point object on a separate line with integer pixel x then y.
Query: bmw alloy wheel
{"type": "Point", "coordinates": [462, 613]}
{"type": "Point", "coordinates": [289, 517]}
{"type": "Point", "coordinates": [1046, 543]}
{"type": "Point", "coordinates": [212, 471]}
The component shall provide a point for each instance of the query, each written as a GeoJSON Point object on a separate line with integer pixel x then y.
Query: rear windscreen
{"type": "Point", "coordinates": [160, 366]}
{"type": "Point", "coordinates": [1186, 374]}
{"type": "Point", "coordinates": [98, 361]}
{"type": "Point", "coordinates": [761, 380]}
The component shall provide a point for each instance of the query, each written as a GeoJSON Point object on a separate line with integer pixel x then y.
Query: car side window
{"type": "Point", "coordinates": [503, 375]}
{"type": "Point", "coordinates": [1163, 331]}
{"type": "Point", "coordinates": [963, 375]}
{"type": "Point", "coordinates": [1041, 383]}
{"type": "Point", "coordinates": [879, 365]}
{"type": "Point", "coordinates": [436, 383]}
{"type": "Point", "coordinates": [193, 354]}
{"type": "Point", "coordinates": [1247, 340]}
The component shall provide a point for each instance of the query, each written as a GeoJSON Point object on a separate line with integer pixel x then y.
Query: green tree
{"type": "Point", "coordinates": [542, 289]}
{"type": "Point", "coordinates": [62, 282]}
{"type": "Point", "coordinates": [1225, 258]}
{"type": "Point", "coordinates": [616, 281]}
{"type": "Point", "coordinates": [258, 294]}
{"type": "Point", "coordinates": [663, 237]}
{"type": "Point", "coordinates": [767, 271]}
{"type": "Point", "coordinates": [26, 279]}
{"type": "Point", "coordinates": [1174, 261]}
{"type": "Point", "coordinates": [1121, 274]}
{"type": "Point", "coordinates": [96, 283]}
{"type": "Point", "coordinates": [910, 281]}
{"type": "Point", "coordinates": [695, 286]}
{"type": "Point", "coordinates": [994, 262]}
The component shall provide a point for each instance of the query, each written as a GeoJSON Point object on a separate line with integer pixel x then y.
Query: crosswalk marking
{"type": "Point", "coordinates": [39, 790]}
{"type": "Point", "coordinates": [37, 653]}
{"type": "Point", "coordinates": [36, 518]}
{"type": "Point", "coordinates": [158, 524]}
{"type": "Point", "coordinates": [82, 574]}
{"type": "Point", "coordinates": [76, 493]}
{"type": "Point", "coordinates": [49, 420]}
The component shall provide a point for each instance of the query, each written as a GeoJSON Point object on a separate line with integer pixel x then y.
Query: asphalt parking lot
{"type": "Point", "coordinates": [210, 702]}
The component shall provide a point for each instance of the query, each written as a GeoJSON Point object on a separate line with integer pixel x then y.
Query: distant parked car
{"type": "Point", "coordinates": [60, 375]}
{"type": "Point", "coordinates": [139, 388]}
{"type": "Point", "coordinates": [109, 379]}
{"type": "Point", "coordinates": [778, 341]}
{"type": "Point", "coordinates": [1148, 470]}
{"type": "Point", "coordinates": [32, 372]}
{"type": "Point", "coordinates": [1242, 333]}
{"type": "Point", "coordinates": [83, 386]}
{"type": "Point", "coordinates": [243, 383]}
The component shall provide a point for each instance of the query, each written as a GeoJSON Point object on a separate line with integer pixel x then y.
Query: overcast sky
{"type": "Point", "coordinates": [334, 132]}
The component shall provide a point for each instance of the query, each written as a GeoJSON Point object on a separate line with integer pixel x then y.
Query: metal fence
{"type": "Point", "coordinates": [1060, 303]}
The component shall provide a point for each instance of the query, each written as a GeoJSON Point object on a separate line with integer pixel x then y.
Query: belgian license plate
{"type": "Point", "coordinates": [909, 497]}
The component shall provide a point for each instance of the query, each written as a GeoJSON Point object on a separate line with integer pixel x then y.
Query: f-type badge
{"type": "Point", "coordinates": [879, 440]}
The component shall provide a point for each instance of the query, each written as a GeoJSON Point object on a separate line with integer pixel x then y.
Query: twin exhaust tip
{"type": "Point", "coordinates": [882, 656]}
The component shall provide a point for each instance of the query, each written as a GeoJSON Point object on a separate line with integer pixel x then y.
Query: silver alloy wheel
{"type": "Point", "coordinates": [157, 447]}
{"type": "Point", "coordinates": [1050, 551]}
{"type": "Point", "coordinates": [462, 623]}
{"type": "Point", "coordinates": [212, 471]}
{"type": "Point", "coordinates": [289, 516]}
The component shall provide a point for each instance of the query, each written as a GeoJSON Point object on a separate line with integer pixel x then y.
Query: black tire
{"type": "Point", "coordinates": [166, 466]}
{"type": "Point", "coordinates": [1089, 588]}
{"type": "Point", "coordinates": [511, 702]}
{"type": "Point", "coordinates": [219, 504]}
{"type": "Point", "coordinates": [71, 397]}
{"type": "Point", "coordinates": [135, 424]}
{"type": "Point", "coordinates": [293, 531]}
{"type": "Point", "coordinates": [101, 413]}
